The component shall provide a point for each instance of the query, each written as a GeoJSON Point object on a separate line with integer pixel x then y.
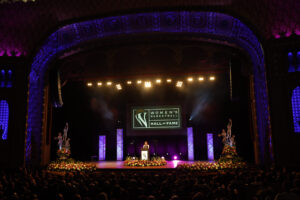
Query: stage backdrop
{"type": "Point", "coordinates": [163, 126]}
{"type": "Point", "coordinates": [154, 120]}
{"type": "Point", "coordinates": [162, 117]}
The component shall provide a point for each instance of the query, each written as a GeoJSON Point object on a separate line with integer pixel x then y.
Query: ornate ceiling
{"type": "Point", "coordinates": [24, 26]}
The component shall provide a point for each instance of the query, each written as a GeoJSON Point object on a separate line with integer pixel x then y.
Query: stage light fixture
{"type": "Point", "coordinates": [99, 84]}
{"type": "Point", "coordinates": [158, 81]}
{"type": "Point", "coordinates": [201, 78]}
{"type": "Point", "coordinates": [148, 84]}
{"type": "Point", "coordinates": [139, 82]}
{"type": "Point", "coordinates": [129, 82]}
{"type": "Point", "coordinates": [190, 79]}
{"type": "Point", "coordinates": [169, 80]}
{"type": "Point", "coordinates": [108, 83]}
{"type": "Point", "coordinates": [119, 87]}
{"type": "Point", "coordinates": [179, 84]}
{"type": "Point", "coordinates": [212, 78]}
{"type": "Point", "coordinates": [89, 84]}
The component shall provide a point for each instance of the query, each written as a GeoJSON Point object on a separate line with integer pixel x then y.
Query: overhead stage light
{"type": "Point", "coordinates": [179, 84]}
{"type": "Point", "coordinates": [158, 81]}
{"type": "Point", "coordinates": [169, 80]}
{"type": "Point", "coordinates": [139, 82]}
{"type": "Point", "coordinates": [119, 87]}
{"type": "Point", "coordinates": [148, 84]}
{"type": "Point", "coordinates": [212, 78]}
{"type": "Point", "coordinates": [201, 78]}
{"type": "Point", "coordinates": [89, 84]}
{"type": "Point", "coordinates": [129, 82]}
{"type": "Point", "coordinates": [108, 83]}
{"type": "Point", "coordinates": [99, 84]}
{"type": "Point", "coordinates": [190, 79]}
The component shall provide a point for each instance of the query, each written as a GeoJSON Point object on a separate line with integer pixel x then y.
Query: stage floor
{"type": "Point", "coordinates": [120, 165]}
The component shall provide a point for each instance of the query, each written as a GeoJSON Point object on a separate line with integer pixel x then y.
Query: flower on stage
{"type": "Point", "coordinates": [71, 166]}
{"type": "Point", "coordinates": [229, 155]}
{"type": "Point", "coordinates": [208, 166]}
{"type": "Point", "coordinates": [144, 163]}
{"type": "Point", "coordinates": [63, 153]}
{"type": "Point", "coordinates": [229, 150]}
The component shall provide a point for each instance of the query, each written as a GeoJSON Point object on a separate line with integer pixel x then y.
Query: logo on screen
{"type": "Point", "coordinates": [156, 118]}
{"type": "Point", "coordinates": [141, 119]}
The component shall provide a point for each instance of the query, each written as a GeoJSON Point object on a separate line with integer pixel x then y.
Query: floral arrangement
{"type": "Point", "coordinates": [229, 150]}
{"type": "Point", "coordinates": [71, 166]}
{"type": "Point", "coordinates": [63, 154]}
{"type": "Point", "coordinates": [64, 162]}
{"type": "Point", "coordinates": [209, 166]}
{"type": "Point", "coordinates": [229, 154]}
{"type": "Point", "coordinates": [156, 161]}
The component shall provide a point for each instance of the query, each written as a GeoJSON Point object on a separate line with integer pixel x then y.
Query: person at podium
{"type": "Point", "coordinates": [145, 151]}
{"type": "Point", "coordinates": [146, 145]}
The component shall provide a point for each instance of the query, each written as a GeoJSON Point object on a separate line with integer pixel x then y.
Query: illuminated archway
{"type": "Point", "coordinates": [4, 118]}
{"type": "Point", "coordinates": [296, 109]}
{"type": "Point", "coordinates": [219, 26]}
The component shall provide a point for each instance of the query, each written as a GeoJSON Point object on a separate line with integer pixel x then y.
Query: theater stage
{"type": "Point", "coordinates": [120, 165]}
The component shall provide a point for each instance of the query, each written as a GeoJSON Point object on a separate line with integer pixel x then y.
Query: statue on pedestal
{"type": "Point", "coordinates": [229, 153]}
{"type": "Point", "coordinates": [227, 138]}
{"type": "Point", "coordinates": [63, 144]}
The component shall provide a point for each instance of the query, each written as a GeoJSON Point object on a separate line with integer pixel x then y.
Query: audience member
{"type": "Point", "coordinates": [150, 185]}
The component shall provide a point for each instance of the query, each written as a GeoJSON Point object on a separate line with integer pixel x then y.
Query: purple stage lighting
{"type": "Point", "coordinates": [210, 146]}
{"type": "Point", "coordinates": [119, 144]}
{"type": "Point", "coordinates": [296, 109]}
{"type": "Point", "coordinates": [4, 116]}
{"type": "Point", "coordinates": [290, 60]}
{"type": "Point", "coordinates": [190, 141]}
{"type": "Point", "coordinates": [234, 32]}
{"type": "Point", "coordinates": [298, 61]}
{"type": "Point", "coordinates": [175, 157]}
{"type": "Point", "coordinates": [102, 147]}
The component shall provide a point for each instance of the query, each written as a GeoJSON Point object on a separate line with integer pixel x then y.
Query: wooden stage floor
{"type": "Point", "coordinates": [120, 165]}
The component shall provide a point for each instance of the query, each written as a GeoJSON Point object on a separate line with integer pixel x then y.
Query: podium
{"type": "Point", "coordinates": [145, 154]}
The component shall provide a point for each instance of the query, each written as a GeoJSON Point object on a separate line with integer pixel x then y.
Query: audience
{"type": "Point", "coordinates": [253, 184]}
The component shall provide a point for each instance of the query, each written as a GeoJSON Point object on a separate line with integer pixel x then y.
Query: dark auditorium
{"type": "Point", "coordinates": [149, 99]}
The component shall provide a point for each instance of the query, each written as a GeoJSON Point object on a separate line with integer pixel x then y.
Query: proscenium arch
{"type": "Point", "coordinates": [210, 24]}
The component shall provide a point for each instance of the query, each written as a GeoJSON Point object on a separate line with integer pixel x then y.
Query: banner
{"type": "Point", "coordinates": [156, 118]}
